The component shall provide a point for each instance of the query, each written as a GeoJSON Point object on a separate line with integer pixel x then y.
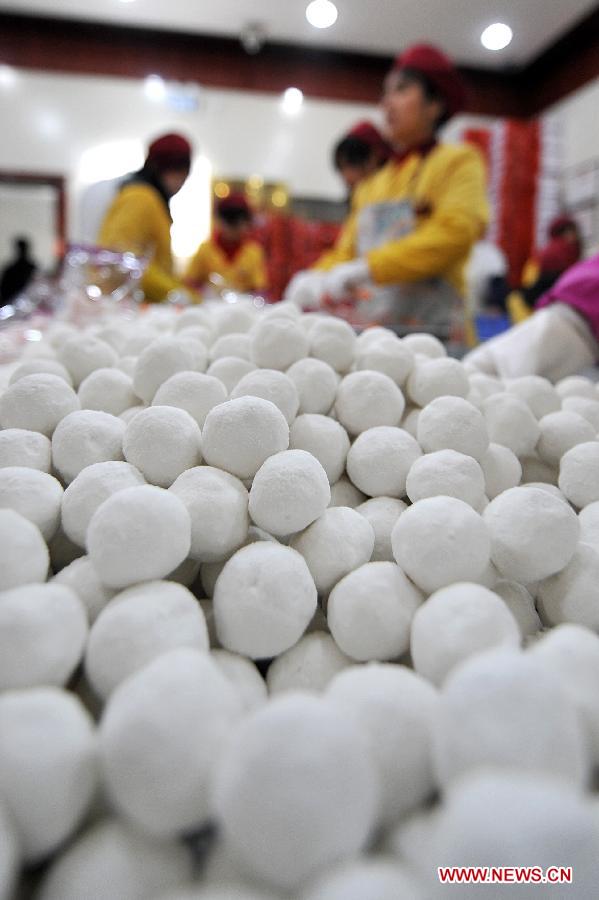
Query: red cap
{"type": "Point", "coordinates": [170, 151]}
{"type": "Point", "coordinates": [558, 255]}
{"type": "Point", "coordinates": [439, 70]}
{"type": "Point", "coordinates": [236, 200]}
{"type": "Point", "coordinates": [365, 131]}
{"type": "Point", "coordinates": [560, 223]}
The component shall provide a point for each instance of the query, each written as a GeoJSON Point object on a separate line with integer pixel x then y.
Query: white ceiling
{"type": "Point", "coordinates": [372, 26]}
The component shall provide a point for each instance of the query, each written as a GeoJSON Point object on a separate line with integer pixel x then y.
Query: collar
{"type": "Point", "coordinates": [423, 150]}
{"type": "Point", "coordinates": [228, 247]}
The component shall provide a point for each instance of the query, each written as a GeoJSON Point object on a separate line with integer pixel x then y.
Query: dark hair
{"type": "Point", "coordinates": [234, 215]}
{"type": "Point", "coordinates": [431, 93]}
{"type": "Point", "coordinates": [21, 245]}
{"type": "Point", "coordinates": [351, 151]}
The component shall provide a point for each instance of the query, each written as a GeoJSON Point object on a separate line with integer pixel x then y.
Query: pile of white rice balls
{"type": "Point", "coordinates": [291, 612]}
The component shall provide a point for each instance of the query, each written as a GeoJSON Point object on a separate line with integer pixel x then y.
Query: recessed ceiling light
{"type": "Point", "coordinates": [154, 88]}
{"type": "Point", "coordinates": [496, 36]}
{"type": "Point", "coordinates": [8, 76]}
{"type": "Point", "coordinates": [321, 13]}
{"type": "Point", "coordinates": [292, 101]}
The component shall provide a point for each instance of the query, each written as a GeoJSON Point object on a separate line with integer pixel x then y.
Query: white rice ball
{"type": "Point", "coordinates": [333, 341]}
{"type": "Point", "coordinates": [370, 612]}
{"type": "Point", "coordinates": [379, 460]}
{"type": "Point", "coordinates": [533, 535]}
{"type": "Point", "coordinates": [338, 542]}
{"type": "Point", "coordinates": [439, 541]}
{"type": "Point", "coordinates": [520, 603]}
{"type": "Point", "coordinates": [410, 420]}
{"type": "Point", "coordinates": [85, 437]}
{"type": "Point", "coordinates": [43, 630]}
{"type": "Point", "coordinates": [217, 504]}
{"type": "Point", "coordinates": [270, 385]}
{"type": "Point", "coordinates": [138, 534]}
{"type": "Point", "coordinates": [82, 354]}
{"type": "Point", "coordinates": [241, 434]}
{"type": "Point", "coordinates": [382, 513]}
{"type": "Point", "coordinates": [387, 355]}
{"type": "Point", "coordinates": [10, 854]}
{"type": "Point", "coordinates": [367, 399]}
{"type": "Point", "coordinates": [38, 367]}
{"type": "Point", "coordinates": [588, 519]}
{"type": "Point", "coordinates": [501, 469]}
{"type": "Point", "coordinates": [194, 392]}
{"type": "Point", "coordinates": [481, 387]}
{"type": "Point", "coordinates": [47, 766]}
{"type": "Point", "coordinates": [190, 709]}
{"type": "Point", "coordinates": [37, 403]}
{"type": "Point", "coordinates": [395, 709]}
{"type": "Point", "coordinates": [238, 345]}
{"type": "Point", "coordinates": [505, 709]}
{"type": "Point", "coordinates": [34, 494]}
{"type": "Point", "coordinates": [560, 432]}
{"type": "Point", "coordinates": [425, 344]}
{"type": "Point", "coordinates": [325, 439]}
{"type": "Point", "coordinates": [579, 474]}
{"type": "Point", "coordinates": [576, 386]}
{"type": "Point", "coordinates": [309, 665]}
{"type": "Point", "coordinates": [163, 442]}
{"type": "Point", "coordinates": [316, 383]}
{"type": "Point", "coordinates": [139, 625]}
{"type": "Point", "coordinates": [83, 579]}
{"type": "Point", "coordinates": [372, 335]}
{"type": "Point", "coordinates": [511, 423]}
{"type": "Point", "coordinates": [588, 409]}
{"type": "Point", "coordinates": [108, 390]}
{"type": "Point", "coordinates": [451, 423]}
{"type": "Point", "coordinates": [571, 595]}
{"type": "Point", "coordinates": [437, 378]}
{"type": "Point", "coordinates": [30, 449]}
{"type": "Point", "coordinates": [371, 877]}
{"type": "Point", "coordinates": [209, 572]}
{"type": "Point", "coordinates": [24, 557]}
{"type": "Point", "coordinates": [243, 674]}
{"type": "Point", "coordinates": [194, 317]}
{"type": "Point", "coordinates": [229, 370]}
{"type": "Point", "coordinates": [446, 472]}
{"type": "Point", "coordinates": [537, 392]}
{"type": "Point", "coordinates": [344, 493]}
{"type": "Point", "coordinates": [289, 492]}
{"type": "Point", "coordinates": [454, 624]}
{"type": "Point", "coordinates": [92, 486]}
{"type": "Point", "coordinates": [236, 318]}
{"type": "Point", "coordinates": [277, 343]}
{"type": "Point", "coordinates": [158, 362]}
{"type": "Point", "coordinates": [112, 859]}
{"type": "Point", "coordinates": [297, 759]}
{"type": "Point", "coordinates": [264, 600]}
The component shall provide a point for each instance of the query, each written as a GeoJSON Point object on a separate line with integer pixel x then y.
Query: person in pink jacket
{"type": "Point", "coordinates": [559, 339]}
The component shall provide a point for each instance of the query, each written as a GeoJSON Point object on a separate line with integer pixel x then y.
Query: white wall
{"type": "Point", "coordinates": [578, 117]}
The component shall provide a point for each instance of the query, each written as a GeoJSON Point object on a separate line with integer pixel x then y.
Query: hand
{"type": "Point", "coordinates": [342, 281]}
{"type": "Point", "coordinates": [305, 289]}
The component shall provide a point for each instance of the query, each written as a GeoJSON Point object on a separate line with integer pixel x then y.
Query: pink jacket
{"type": "Point", "coordinates": [578, 287]}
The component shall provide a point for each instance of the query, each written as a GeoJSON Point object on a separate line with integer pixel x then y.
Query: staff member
{"type": "Point", "coordinates": [361, 153]}
{"type": "Point", "coordinates": [415, 220]}
{"type": "Point", "coordinates": [139, 218]}
{"type": "Point", "coordinates": [230, 252]}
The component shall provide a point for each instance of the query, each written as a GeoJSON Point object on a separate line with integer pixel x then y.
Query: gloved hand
{"type": "Point", "coordinates": [340, 282]}
{"type": "Point", "coordinates": [305, 289]}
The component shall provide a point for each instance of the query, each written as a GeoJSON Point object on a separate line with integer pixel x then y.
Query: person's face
{"type": "Point", "coordinates": [571, 235]}
{"type": "Point", "coordinates": [352, 175]}
{"type": "Point", "coordinates": [173, 180]}
{"type": "Point", "coordinates": [234, 231]}
{"type": "Point", "coordinates": [410, 115]}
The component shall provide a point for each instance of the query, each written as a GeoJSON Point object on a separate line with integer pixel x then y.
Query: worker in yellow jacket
{"type": "Point", "coordinates": [230, 253]}
{"type": "Point", "coordinates": [139, 219]}
{"type": "Point", "coordinates": [414, 221]}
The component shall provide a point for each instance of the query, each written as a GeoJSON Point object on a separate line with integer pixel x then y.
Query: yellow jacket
{"type": "Point", "coordinates": [447, 189]}
{"type": "Point", "coordinates": [138, 221]}
{"type": "Point", "coordinates": [245, 272]}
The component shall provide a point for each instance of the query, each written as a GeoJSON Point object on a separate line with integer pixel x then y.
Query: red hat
{"type": "Point", "coordinates": [236, 200]}
{"type": "Point", "coordinates": [558, 255]}
{"type": "Point", "coordinates": [170, 151]}
{"type": "Point", "coordinates": [365, 131]}
{"type": "Point", "coordinates": [439, 70]}
{"type": "Point", "coordinates": [560, 224]}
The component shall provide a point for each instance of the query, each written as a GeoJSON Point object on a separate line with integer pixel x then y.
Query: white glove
{"type": "Point", "coordinates": [305, 289]}
{"type": "Point", "coordinates": [341, 280]}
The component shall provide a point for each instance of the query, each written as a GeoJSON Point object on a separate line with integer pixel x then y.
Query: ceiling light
{"type": "Point", "coordinates": [496, 36]}
{"type": "Point", "coordinates": [8, 76]}
{"type": "Point", "coordinates": [292, 101]}
{"type": "Point", "coordinates": [321, 13]}
{"type": "Point", "coordinates": [154, 87]}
